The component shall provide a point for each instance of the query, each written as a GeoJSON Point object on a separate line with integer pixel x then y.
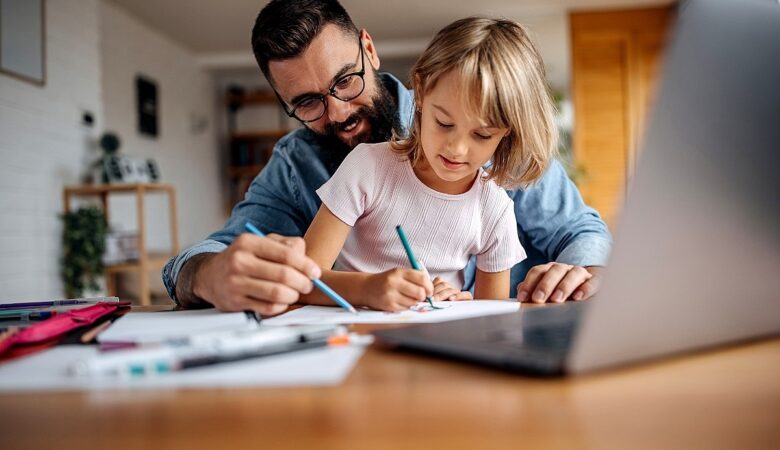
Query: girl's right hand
{"type": "Point", "coordinates": [397, 289]}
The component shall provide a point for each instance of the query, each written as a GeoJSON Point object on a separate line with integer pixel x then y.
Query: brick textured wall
{"type": "Point", "coordinates": [187, 158]}
{"type": "Point", "coordinates": [43, 147]}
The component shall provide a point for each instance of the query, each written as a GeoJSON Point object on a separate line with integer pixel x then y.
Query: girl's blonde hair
{"type": "Point", "coordinates": [503, 79]}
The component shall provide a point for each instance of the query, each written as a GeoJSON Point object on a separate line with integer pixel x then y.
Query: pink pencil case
{"type": "Point", "coordinates": [61, 324]}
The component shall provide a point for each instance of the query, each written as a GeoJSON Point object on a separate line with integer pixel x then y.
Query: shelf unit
{"type": "Point", "coordinates": [249, 150]}
{"type": "Point", "coordinates": [147, 261]}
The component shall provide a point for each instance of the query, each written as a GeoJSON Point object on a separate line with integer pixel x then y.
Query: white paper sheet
{"type": "Point", "coordinates": [145, 327]}
{"type": "Point", "coordinates": [48, 371]}
{"type": "Point", "coordinates": [421, 314]}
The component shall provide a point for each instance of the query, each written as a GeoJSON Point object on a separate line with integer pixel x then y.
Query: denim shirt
{"type": "Point", "coordinates": [553, 223]}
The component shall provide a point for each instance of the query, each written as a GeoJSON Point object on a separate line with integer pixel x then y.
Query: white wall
{"type": "Point", "coordinates": [43, 147]}
{"type": "Point", "coordinates": [188, 158]}
{"type": "Point", "coordinates": [93, 52]}
{"type": "Point", "coordinates": [551, 35]}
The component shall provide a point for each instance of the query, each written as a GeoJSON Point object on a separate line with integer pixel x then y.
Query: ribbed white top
{"type": "Point", "coordinates": [375, 189]}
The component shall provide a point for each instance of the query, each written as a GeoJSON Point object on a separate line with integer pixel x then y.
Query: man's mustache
{"type": "Point", "coordinates": [333, 128]}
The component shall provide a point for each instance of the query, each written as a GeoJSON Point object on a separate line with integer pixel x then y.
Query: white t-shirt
{"type": "Point", "coordinates": [375, 189]}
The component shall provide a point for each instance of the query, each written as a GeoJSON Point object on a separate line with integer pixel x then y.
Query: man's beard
{"type": "Point", "coordinates": [381, 116]}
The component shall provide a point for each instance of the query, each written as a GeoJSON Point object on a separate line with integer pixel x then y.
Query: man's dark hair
{"type": "Point", "coordinates": [285, 28]}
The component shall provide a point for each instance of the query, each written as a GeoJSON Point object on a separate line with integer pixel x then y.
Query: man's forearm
{"type": "Point", "coordinates": [185, 283]}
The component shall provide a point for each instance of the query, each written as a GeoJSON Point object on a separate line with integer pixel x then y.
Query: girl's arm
{"type": "Point", "coordinates": [324, 240]}
{"type": "Point", "coordinates": [392, 290]}
{"type": "Point", "coordinates": [491, 285]}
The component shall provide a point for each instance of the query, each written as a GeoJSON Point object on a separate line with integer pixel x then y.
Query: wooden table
{"type": "Point", "coordinates": [729, 398]}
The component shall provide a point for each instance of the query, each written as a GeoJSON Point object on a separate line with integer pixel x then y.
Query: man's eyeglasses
{"type": "Point", "coordinates": [346, 88]}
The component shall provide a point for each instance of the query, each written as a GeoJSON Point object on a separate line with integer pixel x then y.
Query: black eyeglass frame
{"type": "Point", "coordinates": [331, 91]}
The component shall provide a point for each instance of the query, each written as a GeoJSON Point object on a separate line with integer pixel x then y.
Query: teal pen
{"type": "Point", "coordinates": [410, 255]}
{"type": "Point", "coordinates": [319, 284]}
{"type": "Point", "coordinates": [26, 315]}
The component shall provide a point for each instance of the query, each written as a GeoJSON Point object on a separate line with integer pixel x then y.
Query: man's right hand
{"type": "Point", "coordinates": [264, 275]}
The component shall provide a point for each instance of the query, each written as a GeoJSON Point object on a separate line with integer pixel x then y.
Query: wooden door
{"type": "Point", "coordinates": [616, 58]}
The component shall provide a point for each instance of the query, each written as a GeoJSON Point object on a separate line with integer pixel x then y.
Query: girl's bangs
{"type": "Point", "coordinates": [480, 93]}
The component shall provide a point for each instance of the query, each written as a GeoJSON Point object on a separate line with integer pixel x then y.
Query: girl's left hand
{"type": "Point", "coordinates": [444, 291]}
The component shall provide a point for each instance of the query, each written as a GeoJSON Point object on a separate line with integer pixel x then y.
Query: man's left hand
{"type": "Point", "coordinates": [556, 282]}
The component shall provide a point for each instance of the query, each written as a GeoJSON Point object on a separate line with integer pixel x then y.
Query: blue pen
{"type": "Point", "coordinates": [319, 284]}
{"type": "Point", "coordinates": [412, 260]}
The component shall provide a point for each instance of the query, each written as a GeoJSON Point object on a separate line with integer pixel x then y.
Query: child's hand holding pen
{"type": "Point", "coordinates": [444, 291]}
{"type": "Point", "coordinates": [397, 289]}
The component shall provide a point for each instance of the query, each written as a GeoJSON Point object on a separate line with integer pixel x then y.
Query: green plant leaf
{"type": "Point", "coordinates": [83, 244]}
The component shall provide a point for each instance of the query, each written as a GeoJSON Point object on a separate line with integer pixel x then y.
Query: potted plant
{"type": "Point", "coordinates": [83, 245]}
{"type": "Point", "coordinates": [99, 170]}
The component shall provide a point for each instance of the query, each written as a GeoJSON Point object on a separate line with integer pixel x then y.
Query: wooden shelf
{"type": "Point", "coordinates": [255, 97]}
{"type": "Point", "coordinates": [146, 261]}
{"type": "Point", "coordinates": [97, 189]}
{"type": "Point", "coordinates": [249, 150]}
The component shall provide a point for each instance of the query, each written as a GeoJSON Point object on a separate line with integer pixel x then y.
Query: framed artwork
{"type": "Point", "coordinates": [23, 40]}
{"type": "Point", "coordinates": [148, 106]}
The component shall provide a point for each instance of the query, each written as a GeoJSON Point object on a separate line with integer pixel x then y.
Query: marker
{"type": "Point", "coordinates": [51, 303]}
{"type": "Point", "coordinates": [26, 315]}
{"type": "Point", "coordinates": [319, 284]}
{"type": "Point", "coordinates": [412, 260]}
{"type": "Point", "coordinates": [160, 360]}
{"type": "Point", "coordinates": [350, 339]}
{"type": "Point", "coordinates": [204, 350]}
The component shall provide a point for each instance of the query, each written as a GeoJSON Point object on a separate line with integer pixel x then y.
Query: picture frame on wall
{"type": "Point", "coordinates": [148, 106]}
{"type": "Point", "coordinates": [23, 40]}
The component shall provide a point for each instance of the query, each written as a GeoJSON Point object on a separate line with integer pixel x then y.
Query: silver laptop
{"type": "Point", "coordinates": [696, 261]}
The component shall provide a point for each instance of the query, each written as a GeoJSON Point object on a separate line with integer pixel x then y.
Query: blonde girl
{"type": "Point", "coordinates": [483, 123]}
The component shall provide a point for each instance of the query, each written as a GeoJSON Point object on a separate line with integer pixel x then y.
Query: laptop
{"type": "Point", "coordinates": [696, 259]}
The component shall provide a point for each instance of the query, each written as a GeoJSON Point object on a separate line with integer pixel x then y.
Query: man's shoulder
{"type": "Point", "coordinates": [299, 139]}
{"type": "Point", "coordinates": [296, 155]}
{"type": "Point", "coordinates": [404, 98]}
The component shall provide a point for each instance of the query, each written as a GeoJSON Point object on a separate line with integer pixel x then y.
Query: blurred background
{"type": "Point", "coordinates": [152, 114]}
